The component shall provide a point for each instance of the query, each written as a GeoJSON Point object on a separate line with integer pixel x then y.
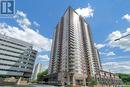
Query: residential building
{"type": "Point", "coordinates": [74, 59]}
{"type": "Point", "coordinates": [37, 69]}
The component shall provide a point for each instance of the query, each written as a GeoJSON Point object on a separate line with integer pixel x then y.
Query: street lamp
{"type": "Point", "coordinates": [121, 37]}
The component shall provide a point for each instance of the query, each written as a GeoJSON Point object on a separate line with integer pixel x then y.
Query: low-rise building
{"type": "Point", "coordinates": [16, 57]}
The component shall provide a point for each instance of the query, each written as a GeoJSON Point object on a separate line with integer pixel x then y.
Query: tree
{"type": "Point", "coordinates": [92, 82]}
{"type": "Point", "coordinates": [41, 75]}
{"type": "Point", "coordinates": [125, 78]}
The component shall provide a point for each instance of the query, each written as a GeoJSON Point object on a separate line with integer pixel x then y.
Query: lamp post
{"type": "Point", "coordinates": [121, 37]}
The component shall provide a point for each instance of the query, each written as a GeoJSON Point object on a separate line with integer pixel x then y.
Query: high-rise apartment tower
{"type": "Point", "coordinates": [73, 54]}
{"type": "Point", "coordinates": [74, 59]}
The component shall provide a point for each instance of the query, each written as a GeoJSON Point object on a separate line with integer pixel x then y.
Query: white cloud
{"type": "Point", "coordinates": [114, 35]}
{"type": "Point", "coordinates": [20, 13]}
{"type": "Point", "coordinates": [118, 57]}
{"type": "Point", "coordinates": [22, 20]}
{"type": "Point", "coordinates": [99, 46]}
{"type": "Point", "coordinates": [36, 24]}
{"type": "Point", "coordinates": [126, 17]}
{"type": "Point", "coordinates": [117, 67]}
{"type": "Point", "coordinates": [85, 12]}
{"type": "Point", "coordinates": [25, 33]}
{"type": "Point", "coordinates": [110, 54]}
{"type": "Point", "coordinates": [123, 43]}
{"type": "Point", "coordinates": [107, 53]}
{"type": "Point", "coordinates": [43, 58]}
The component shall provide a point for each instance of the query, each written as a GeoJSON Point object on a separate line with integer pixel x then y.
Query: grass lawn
{"type": "Point", "coordinates": [127, 86]}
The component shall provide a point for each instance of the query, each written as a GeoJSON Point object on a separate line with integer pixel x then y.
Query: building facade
{"type": "Point", "coordinates": [73, 52]}
{"type": "Point", "coordinates": [16, 57]}
{"type": "Point", "coordinates": [37, 69]}
{"type": "Point", "coordinates": [74, 59]}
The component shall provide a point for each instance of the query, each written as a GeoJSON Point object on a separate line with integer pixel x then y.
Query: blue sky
{"type": "Point", "coordinates": [110, 20]}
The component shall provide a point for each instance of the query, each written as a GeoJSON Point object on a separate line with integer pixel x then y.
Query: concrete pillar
{"type": "Point", "coordinates": [22, 82]}
{"type": "Point", "coordinates": [62, 78]}
{"type": "Point", "coordinates": [84, 81]}
{"type": "Point", "coordinates": [74, 82]}
{"type": "Point", "coordinates": [19, 81]}
{"type": "Point", "coordinates": [68, 79]}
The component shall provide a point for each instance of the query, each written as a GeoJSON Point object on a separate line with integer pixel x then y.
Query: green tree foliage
{"type": "Point", "coordinates": [125, 78]}
{"type": "Point", "coordinates": [92, 82]}
{"type": "Point", "coordinates": [41, 75]}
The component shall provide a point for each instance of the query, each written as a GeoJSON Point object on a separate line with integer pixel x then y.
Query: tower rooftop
{"type": "Point", "coordinates": [70, 9]}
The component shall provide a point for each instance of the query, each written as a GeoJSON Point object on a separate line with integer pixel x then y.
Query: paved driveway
{"type": "Point", "coordinates": [31, 86]}
{"type": "Point", "coordinates": [44, 86]}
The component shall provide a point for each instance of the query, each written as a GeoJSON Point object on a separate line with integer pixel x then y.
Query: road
{"type": "Point", "coordinates": [31, 86]}
{"type": "Point", "coordinates": [44, 86]}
